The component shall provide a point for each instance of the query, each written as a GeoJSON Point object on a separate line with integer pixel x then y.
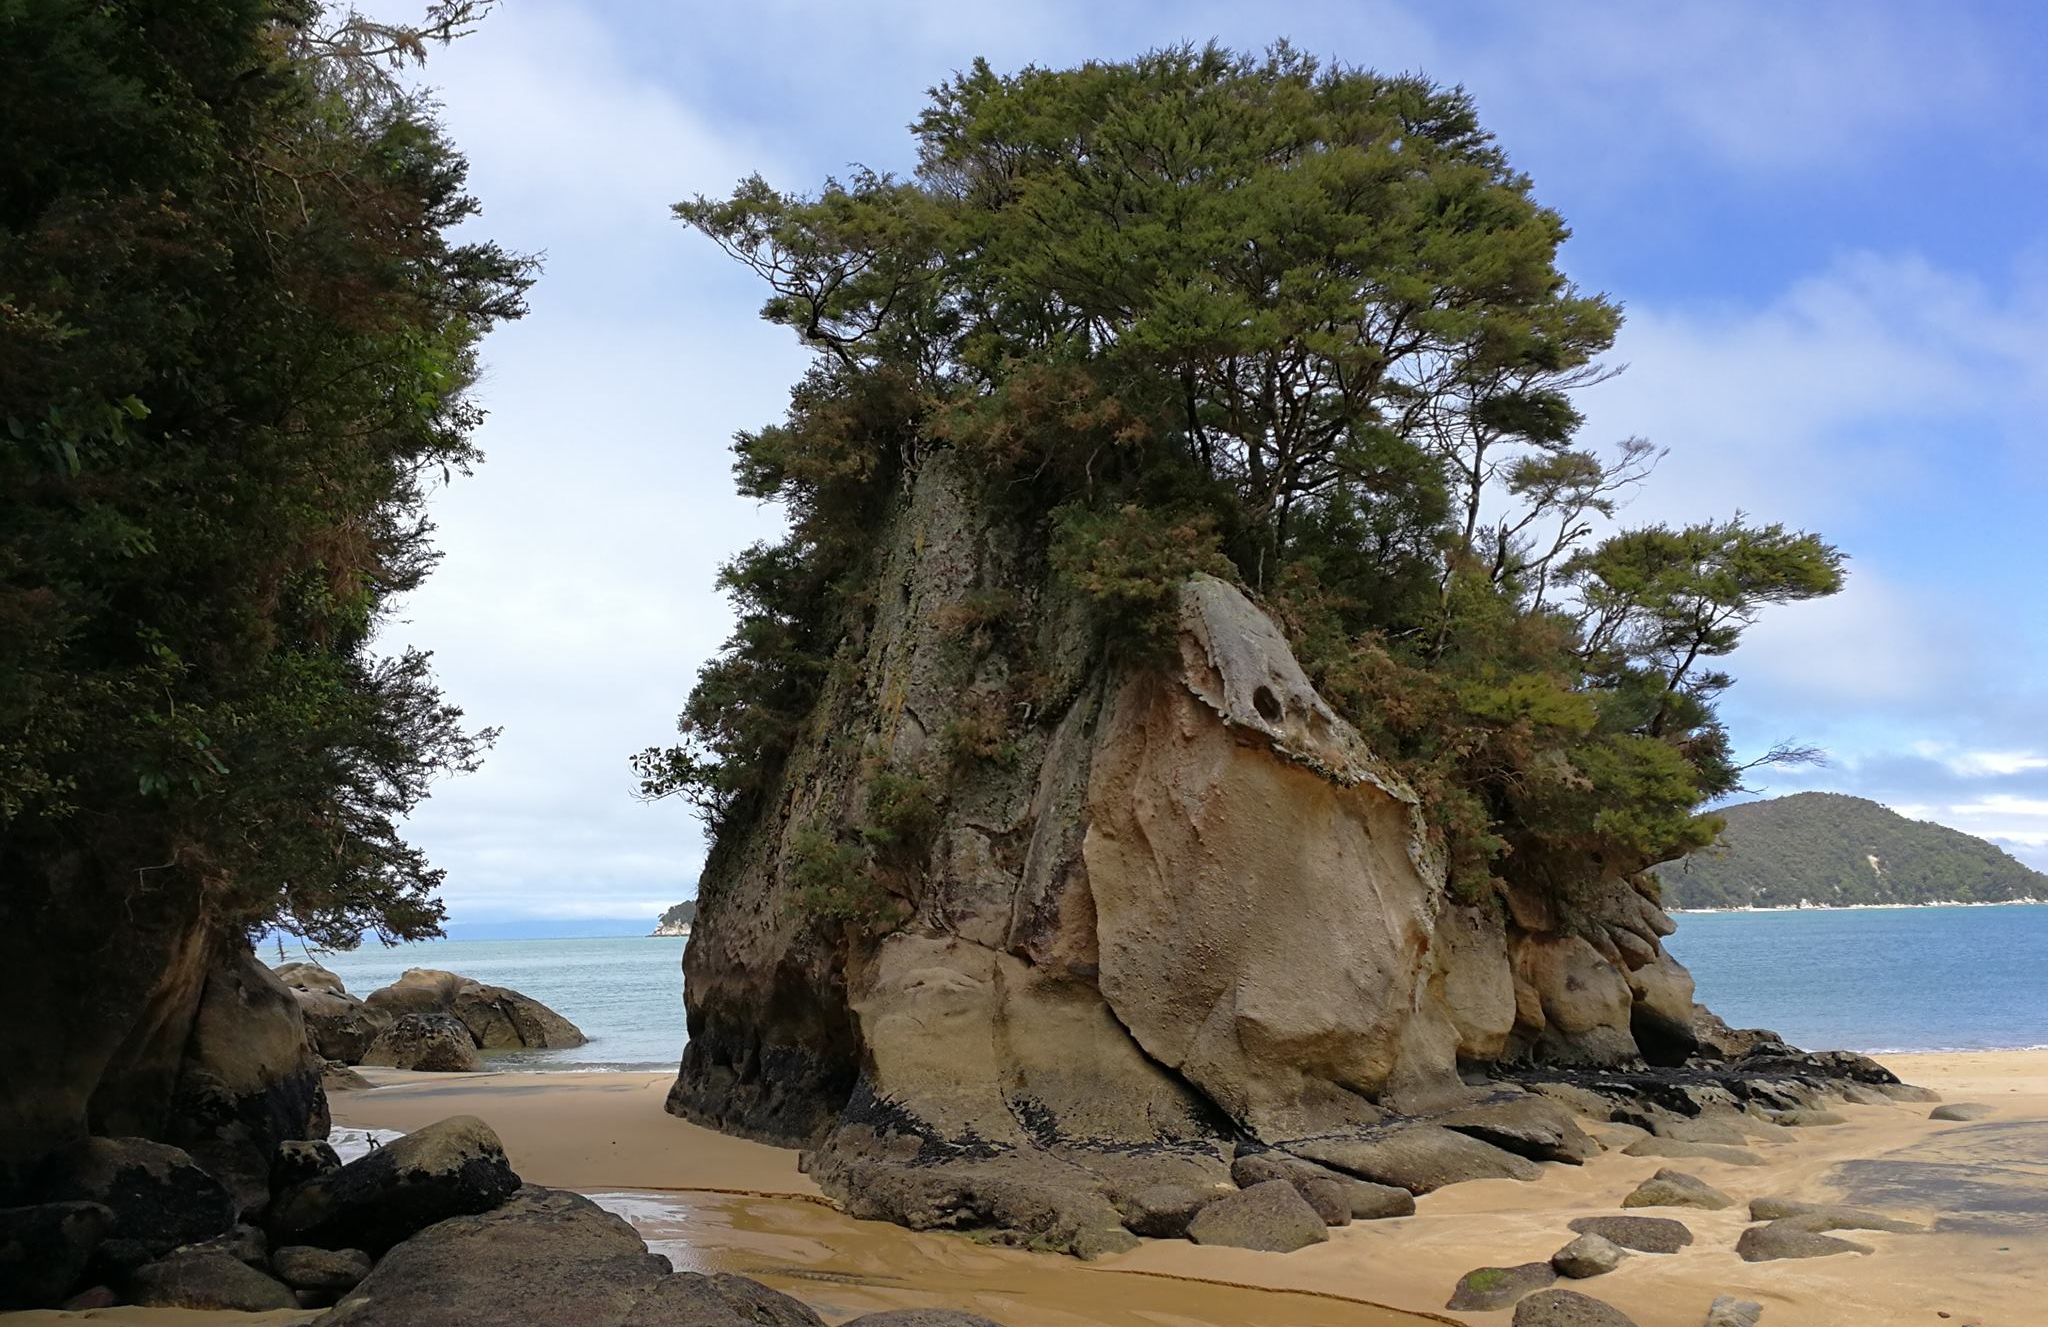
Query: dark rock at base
{"type": "Point", "coordinates": [1162, 1211]}
{"type": "Point", "coordinates": [1588, 1255]}
{"type": "Point", "coordinates": [455, 1167]}
{"type": "Point", "coordinates": [333, 1271]}
{"type": "Point", "coordinates": [1719, 1041]}
{"type": "Point", "coordinates": [689, 1299]}
{"type": "Point", "coordinates": [1671, 1188]}
{"type": "Point", "coordinates": [1961, 1112]}
{"type": "Point", "coordinates": [160, 1198]}
{"type": "Point", "coordinates": [1485, 1288]}
{"type": "Point", "coordinates": [429, 1043]}
{"type": "Point", "coordinates": [1272, 1217]}
{"type": "Point", "coordinates": [1654, 1146]}
{"type": "Point", "coordinates": [296, 1162]}
{"type": "Point", "coordinates": [1785, 1239]}
{"type": "Point", "coordinates": [207, 1280]}
{"type": "Point", "coordinates": [1420, 1158]}
{"type": "Point", "coordinates": [1728, 1311]}
{"type": "Point", "coordinates": [545, 1256]}
{"type": "Point", "coordinates": [1568, 1308]}
{"type": "Point", "coordinates": [98, 1297]}
{"type": "Point", "coordinates": [245, 1242]}
{"type": "Point", "coordinates": [921, 1318]}
{"type": "Point", "coordinates": [1528, 1126]}
{"type": "Point", "coordinates": [1645, 1234]}
{"type": "Point", "coordinates": [45, 1249]}
{"type": "Point", "coordinates": [1324, 1190]}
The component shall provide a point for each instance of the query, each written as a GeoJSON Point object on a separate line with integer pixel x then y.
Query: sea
{"type": "Point", "coordinates": [1864, 979]}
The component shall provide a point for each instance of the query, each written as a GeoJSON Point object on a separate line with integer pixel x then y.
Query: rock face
{"type": "Point", "coordinates": [1146, 910]}
{"type": "Point", "coordinates": [497, 1018]}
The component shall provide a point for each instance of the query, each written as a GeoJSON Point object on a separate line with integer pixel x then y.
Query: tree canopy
{"type": "Point", "coordinates": [236, 338]}
{"type": "Point", "coordinates": [1300, 324]}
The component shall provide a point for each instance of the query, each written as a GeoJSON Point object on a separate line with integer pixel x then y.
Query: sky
{"type": "Point", "coordinates": [1825, 222]}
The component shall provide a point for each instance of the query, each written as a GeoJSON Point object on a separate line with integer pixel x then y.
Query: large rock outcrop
{"type": "Point", "coordinates": [1155, 907]}
{"type": "Point", "coordinates": [498, 1018]}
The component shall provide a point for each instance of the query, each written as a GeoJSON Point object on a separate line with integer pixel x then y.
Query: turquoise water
{"type": "Point", "coordinates": [626, 994]}
{"type": "Point", "coordinates": [1877, 979]}
{"type": "Point", "coordinates": [1869, 980]}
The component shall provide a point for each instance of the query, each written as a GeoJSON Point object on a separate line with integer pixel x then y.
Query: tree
{"type": "Point", "coordinates": [1305, 324]}
{"type": "Point", "coordinates": [236, 341]}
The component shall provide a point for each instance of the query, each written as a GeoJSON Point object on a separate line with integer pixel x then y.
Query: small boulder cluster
{"type": "Point", "coordinates": [427, 1020]}
{"type": "Point", "coordinates": [431, 1230]}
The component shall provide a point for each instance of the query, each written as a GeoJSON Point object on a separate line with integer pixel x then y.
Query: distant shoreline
{"type": "Point", "coordinates": [1862, 907]}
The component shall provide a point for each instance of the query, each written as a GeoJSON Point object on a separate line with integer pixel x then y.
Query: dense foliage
{"type": "Point", "coordinates": [1825, 848]}
{"type": "Point", "coordinates": [678, 914]}
{"type": "Point", "coordinates": [236, 334]}
{"type": "Point", "coordinates": [1302, 326]}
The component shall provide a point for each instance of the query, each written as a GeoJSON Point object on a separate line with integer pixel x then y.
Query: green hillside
{"type": "Point", "coordinates": [682, 914]}
{"type": "Point", "coordinates": [1825, 848]}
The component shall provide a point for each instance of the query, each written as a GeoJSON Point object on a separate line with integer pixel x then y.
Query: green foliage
{"type": "Point", "coordinates": [236, 339]}
{"type": "Point", "coordinates": [902, 814]}
{"type": "Point", "coordinates": [833, 882]}
{"type": "Point", "coordinates": [1825, 848]}
{"type": "Point", "coordinates": [1296, 325]}
{"type": "Point", "coordinates": [678, 914]}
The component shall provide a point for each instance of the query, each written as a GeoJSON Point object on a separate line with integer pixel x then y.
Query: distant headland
{"type": "Point", "coordinates": [676, 921]}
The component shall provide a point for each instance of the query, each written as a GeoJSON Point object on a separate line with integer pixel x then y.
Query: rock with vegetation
{"type": "Point", "coordinates": [454, 1167]}
{"type": "Point", "coordinates": [1833, 850]}
{"type": "Point", "coordinates": [677, 919]}
{"type": "Point", "coordinates": [1486, 1288]}
{"type": "Point", "coordinates": [496, 1017]}
{"type": "Point", "coordinates": [225, 397]}
{"type": "Point", "coordinates": [428, 1043]}
{"type": "Point", "coordinates": [1153, 732]}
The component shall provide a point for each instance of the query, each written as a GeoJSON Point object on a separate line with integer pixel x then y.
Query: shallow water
{"type": "Point", "coordinates": [1877, 979]}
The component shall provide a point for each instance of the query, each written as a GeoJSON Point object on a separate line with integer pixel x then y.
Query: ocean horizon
{"type": "Point", "coordinates": [1878, 979]}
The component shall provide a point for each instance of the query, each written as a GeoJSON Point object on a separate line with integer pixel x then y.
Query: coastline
{"type": "Point", "coordinates": [1861, 907]}
{"type": "Point", "coordinates": [716, 1203]}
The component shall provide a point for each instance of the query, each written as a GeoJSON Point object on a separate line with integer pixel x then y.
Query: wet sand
{"type": "Point", "coordinates": [717, 1203]}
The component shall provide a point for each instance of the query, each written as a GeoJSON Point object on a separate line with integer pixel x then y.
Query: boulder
{"type": "Point", "coordinates": [159, 1197]}
{"type": "Point", "coordinates": [921, 1318]}
{"type": "Point", "coordinates": [1272, 1217]}
{"type": "Point", "coordinates": [1653, 1146]}
{"type": "Point", "coordinates": [340, 1027]}
{"type": "Point", "coordinates": [1806, 1119]}
{"type": "Point", "coordinates": [296, 1162]}
{"type": "Point", "coordinates": [1823, 1217]}
{"type": "Point", "coordinates": [1326, 1191]}
{"type": "Point", "coordinates": [455, 1167]}
{"type": "Point", "coordinates": [1568, 1308]}
{"type": "Point", "coordinates": [245, 1242]}
{"type": "Point", "coordinates": [338, 1077]}
{"type": "Point", "coordinates": [1644, 1234]}
{"type": "Point", "coordinates": [1785, 1239]}
{"type": "Point", "coordinates": [329, 1271]}
{"type": "Point", "coordinates": [690, 1299]}
{"type": "Point", "coordinates": [1719, 1041]}
{"type": "Point", "coordinates": [44, 1250]}
{"type": "Point", "coordinates": [1162, 1211]}
{"type": "Point", "coordinates": [1588, 1255]}
{"type": "Point", "coordinates": [1485, 1288]}
{"type": "Point", "coordinates": [1672, 1188]}
{"type": "Point", "coordinates": [1420, 1158]}
{"type": "Point", "coordinates": [1527, 1125]}
{"type": "Point", "coordinates": [434, 1043]}
{"type": "Point", "coordinates": [497, 1017]}
{"type": "Point", "coordinates": [1960, 1111]}
{"type": "Point", "coordinates": [207, 1280]}
{"type": "Point", "coordinates": [301, 975]}
{"type": "Point", "coordinates": [1728, 1311]}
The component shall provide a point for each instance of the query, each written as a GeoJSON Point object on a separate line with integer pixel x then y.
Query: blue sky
{"type": "Point", "coordinates": [1825, 221]}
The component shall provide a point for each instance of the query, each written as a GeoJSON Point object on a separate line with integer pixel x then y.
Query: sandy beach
{"type": "Point", "coordinates": [716, 1203]}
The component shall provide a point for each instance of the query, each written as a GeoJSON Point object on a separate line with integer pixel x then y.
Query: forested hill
{"type": "Point", "coordinates": [1825, 848]}
{"type": "Point", "coordinates": [677, 917]}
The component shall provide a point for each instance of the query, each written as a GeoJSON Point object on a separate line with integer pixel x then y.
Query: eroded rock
{"type": "Point", "coordinates": [159, 1196]}
{"type": "Point", "coordinates": [331, 1271]}
{"type": "Point", "coordinates": [455, 1167]}
{"type": "Point", "coordinates": [1586, 1256]}
{"type": "Point", "coordinates": [433, 1043]}
{"type": "Point", "coordinates": [1672, 1188]}
{"type": "Point", "coordinates": [1644, 1234]}
{"type": "Point", "coordinates": [1728, 1311]}
{"type": "Point", "coordinates": [1568, 1308]}
{"type": "Point", "coordinates": [496, 1017]}
{"type": "Point", "coordinates": [1420, 1158]}
{"type": "Point", "coordinates": [207, 1280]}
{"type": "Point", "coordinates": [1272, 1217]}
{"type": "Point", "coordinates": [1654, 1146]}
{"type": "Point", "coordinates": [1485, 1288]}
{"type": "Point", "coordinates": [1787, 1239]}
{"type": "Point", "coordinates": [1528, 1126]}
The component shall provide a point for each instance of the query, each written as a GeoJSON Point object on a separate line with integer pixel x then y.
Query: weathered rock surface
{"type": "Point", "coordinates": [207, 1280]}
{"type": "Point", "coordinates": [434, 1043]}
{"type": "Point", "coordinates": [455, 1167]}
{"type": "Point", "coordinates": [1187, 906]}
{"type": "Point", "coordinates": [1644, 1234]}
{"type": "Point", "coordinates": [159, 1197]}
{"type": "Point", "coordinates": [1823, 1217]}
{"type": "Point", "coordinates": [340, 1026]}
{"type": "Point", "coordinates": [921, 1318]}
{"type": "Point", "coordinates": [1272, 1217]}
{"type": "Point", "coordinates": [497, 1017]}
{"type": "Point", "coordinates": [1162, 1211]}
{"type": "Point", "coordinates": [1960, 1112]}
{"type": "Point", "coordinates": [1654, 1146]}
{"type": "Point", "coordinates": [332, 1271]}
{"type": "Point", "coordinates": [1568, 1308]}
{"type": "Point", "coordinates": [1485, 1288]}
{"type": "Point", "coordinates": [1588, 1255]}
{"type": "Point", "coordinates": [1728, 1311]}
{"type": "Point", "coordinates": [1671, 1188]}
{"type": "Point", "coordinates": [44, 1250]}
{"type": "Point", "coordinates": [1786, 1239]}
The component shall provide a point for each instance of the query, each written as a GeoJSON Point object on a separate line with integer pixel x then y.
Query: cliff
{"type": "Point", "coordinates": [1179, 906]}
{"type": "Point", "coordinates": [1833, 850]}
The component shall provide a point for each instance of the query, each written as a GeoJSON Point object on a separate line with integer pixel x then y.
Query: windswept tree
{"type": "Point", "coordinates": [237, 336]}
{"type": "Point", "coordinates": [1300, 324]}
